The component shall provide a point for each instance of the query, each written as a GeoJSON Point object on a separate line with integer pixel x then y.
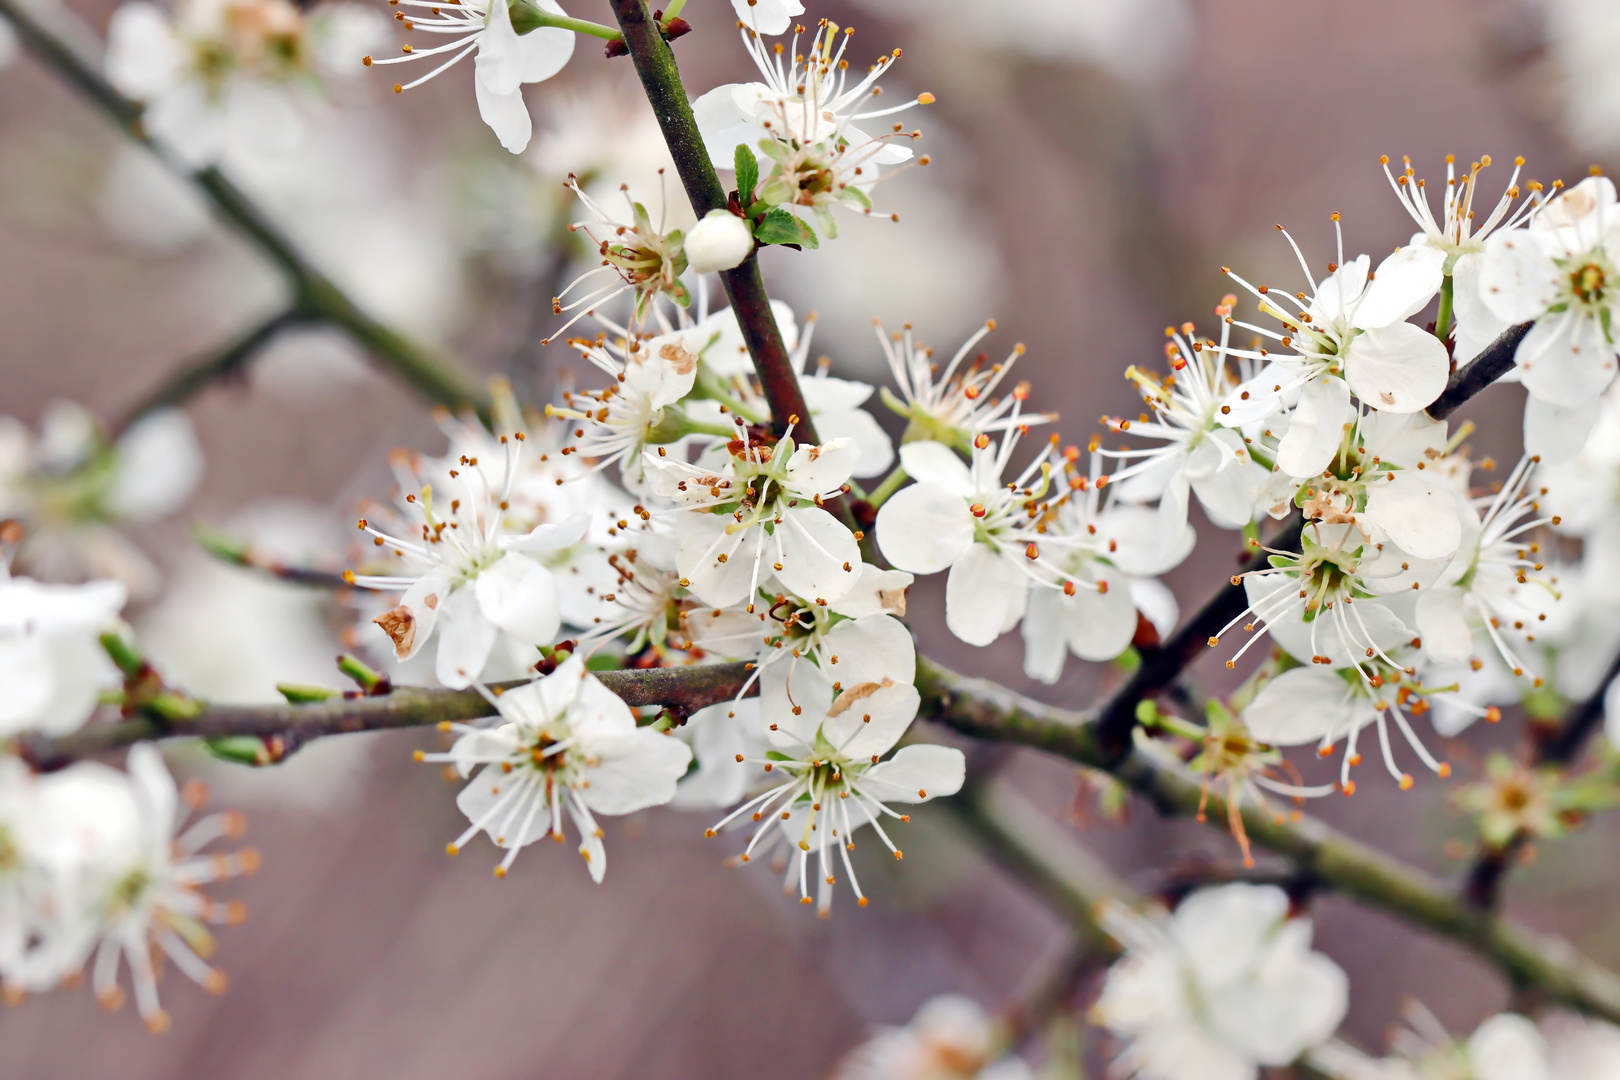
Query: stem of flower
{"type": "Point", "coordinates": [889, 486]}
{"type": "Point", "coordinates": [1442, 319]}
{"type": "Point", "coordinates": [540, 17]}
{"type": "Point", "coordinates": [315, 296]}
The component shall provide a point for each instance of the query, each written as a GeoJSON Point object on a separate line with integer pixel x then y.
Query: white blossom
{"type": "Point", "coordinates": [564, 743]}
{"type": "Point", "coordinates": [1557, 271]}
{"type": "Point", "coordinates": [950, 1038]}
{"type": "Point", "coordinates": [514, 43]}
{"type": "Point", "coordinates": [1224, 986]}
{"type": "Point", "coordinates": [52, 664]}
{"type": "Point", "coordinates": [460, 573]}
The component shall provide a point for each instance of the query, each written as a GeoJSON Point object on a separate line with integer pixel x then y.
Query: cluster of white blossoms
{"type": "Point", "coordinates": [1507, 1046]}
{"type": "Point", "coordinates": [684, 509]}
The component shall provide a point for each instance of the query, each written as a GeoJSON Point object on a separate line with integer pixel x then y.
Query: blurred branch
{"type": "Point", "coordinates": [314, 295]}
{"type": "Point", "coordinates": [1482, 885]}
{"type": "Point", "coordinates": [683, 688]}
{"type": "Point", "coordinates": [236, 552]}
{"type": "Point", "coordinates": [984, 710]}
{"type": "Point", "coordinates": [222, 364]}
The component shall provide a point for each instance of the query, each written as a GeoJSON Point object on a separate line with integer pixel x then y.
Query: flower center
{"type": "Point", "coordinates": [1587, 282]}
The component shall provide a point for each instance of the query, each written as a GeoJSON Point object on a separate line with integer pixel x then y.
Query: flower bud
{"type": "Point", "coordinates": [718, 242]}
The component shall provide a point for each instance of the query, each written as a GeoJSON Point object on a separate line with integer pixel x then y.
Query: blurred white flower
{"type": "Point", "coordinates": [143, 895]}
{"type": "Point", "coordinates": [220, 72]}
{"type": "Point", "coordinates": [69, 489]}
{"type": "Point", "coordinates": [1583, 38]}
{"type": "Point", "coordinates": [950, 1038]}
{"type": "Point", "coordinates": [1222, 987]}
{"type": "Point", "coordinates": [1136, 41]}
{"type": "Point", "coordinates": [52, 665]}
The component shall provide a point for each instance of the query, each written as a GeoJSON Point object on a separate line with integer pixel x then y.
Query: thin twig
{"type": "Point", "coordinates": [1490, 365]}
{"type": "Point", "coordinates": [984, 710]}
{"type": "Point", "coordinates": [684, 688]}
{"type": "Point", "coordinates": [314, 294]}
{"type": "Point", "coordinates": [225, 363]}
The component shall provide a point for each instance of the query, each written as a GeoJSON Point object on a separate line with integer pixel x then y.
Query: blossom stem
{"type": "Point", "coordinates": [227, 548]}
{"type": "Point", "coordinates": [315, 296]}
{"type": "Point", "coordinates": [1442, 318]}
{"type": "Point", "coordinates": [984, 710]}
{"type": "Point", "coordinates": [889, 486]}
{"type": "Point", "coordinates": [661, 80]}
{"type": "Point", "coordinates": [538, 17]}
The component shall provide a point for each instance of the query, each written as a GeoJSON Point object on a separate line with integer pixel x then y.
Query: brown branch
{"type": "Point", "coordinates": [684, 688]}
{"type": "Point", "coordinates": [1490, 365]}
{"type": "Point", "coordinates": [661, 79]}
{"type": "Point", "coordinates": [984, 710]}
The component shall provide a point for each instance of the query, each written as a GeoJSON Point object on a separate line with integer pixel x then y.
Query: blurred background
{"type": "Point", "coordinates": [1095, 162]}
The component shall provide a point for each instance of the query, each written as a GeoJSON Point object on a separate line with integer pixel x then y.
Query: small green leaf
{"type": "Point", "coordinates": [747, 166]}
{"type": "Point", "coordinates": [781, 227]}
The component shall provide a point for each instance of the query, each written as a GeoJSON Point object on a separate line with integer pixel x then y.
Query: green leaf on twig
{"type": "Point", "coordinates": [747, 166]}
{"type": "Point", "coordinates": [781, 227]}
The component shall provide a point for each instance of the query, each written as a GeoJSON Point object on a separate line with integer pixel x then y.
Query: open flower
{"type": "Point", "coordinates": [988, 533]}
{"type": "Point", "coordinates": [517, 42]}
{"type": "Point", "coordinates": [828, 747]}
{"type": "Point", "coordinates": [1222, 987]}
{"type": "Point", "coordinates": [1560, 271]}
{"type": "Point", "coordinates": [1488, 587]}
{"type": "Point", "coordinates": [805, 117]}
{"type": "Point", "coordinates": [1199, 452]}
{"type": "Point", "coordinates": [760, 514]}
{"type": "Point", "coordinates": [1455, 240]}
{"type": "Point", "coordinates": [637, 410]}
{"type": "Point", "coordinates": [1349, 335]}
{"type": "Point", "coordinates": [224, 71]}
{"type": "Point", "coordinates": [565, 743]}
{"type": "Point", "coordinates": [952, 405]}
{"type": "Point", "coordinates": [462, 575]}
{"type": "Point", "coordinates": [144, 891]}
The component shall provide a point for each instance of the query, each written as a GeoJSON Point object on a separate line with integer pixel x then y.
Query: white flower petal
{"type": "Point", "coordinates": [519, 595]}
{"type": "Point", "coordinates": [1315, 428]}
{"type": "Point", "coordinates": [1402, 287]}
{"type": "Point", "coordinates": [929, 462]}
{"type": "Point", "coordinates": [465, 640]}
{"type": "Point", "coordinates": [1565, 359]}
{"type": "Point", "coordinates": [819, 554]}
{"type": "Point", "coordinates": [1418, 509]}
{"type": "Point", "coordinates": [1518, 280]}
{"type": "Point", "coordinates": [1399, 368]}
{"type": "Point", "coordinates": [916, 774]}
{"type": "Point", "coordinates": [1556, 433]}
{"type": "Point", "coordinates": [924, 528]}
{"type": "Point", "coordinates": [1302, 705]}
{"type": "Point", "coordinates": [1442, 623]}
{"type": "Point", "coordinates": [985, 595]}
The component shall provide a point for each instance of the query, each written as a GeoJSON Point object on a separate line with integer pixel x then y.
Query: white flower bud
{"type": "Point", "coordinates": [718, 242]}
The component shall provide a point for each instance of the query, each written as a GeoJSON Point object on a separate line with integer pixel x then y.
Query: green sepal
{"type": "Point", "coordinates": [300, 694]}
